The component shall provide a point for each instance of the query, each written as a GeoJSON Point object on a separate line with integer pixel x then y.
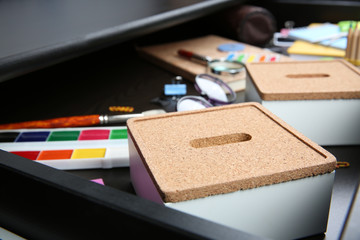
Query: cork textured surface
{"type": "Point", "coordinates": [223, 149]}
{"type": "Point", "coordinates": [305, 80]}
{"type": "Point", "coordinates": [166, 56]}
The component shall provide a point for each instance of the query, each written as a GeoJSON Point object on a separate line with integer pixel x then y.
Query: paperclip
{"type": "Point", "coordinates": [342, 164]}
{"type": "Point", "coordinates": [121, 109]}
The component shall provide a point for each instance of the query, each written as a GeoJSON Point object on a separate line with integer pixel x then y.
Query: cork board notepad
{"type": "Point", "coordinates": [165, 55]}
{"type": "Point", "coordinates": [223, 149]}
{"type": "Point", "coordinates": [305, 80]}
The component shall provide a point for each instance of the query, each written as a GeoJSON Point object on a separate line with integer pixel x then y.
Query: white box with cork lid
{"type": "Point", "coordinates": [321, 99]}
{"type": "Point", "coordinates": [237, 165]}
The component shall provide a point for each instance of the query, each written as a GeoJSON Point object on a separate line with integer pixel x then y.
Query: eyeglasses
{"type": "Point", "coordinates": [214, 92]}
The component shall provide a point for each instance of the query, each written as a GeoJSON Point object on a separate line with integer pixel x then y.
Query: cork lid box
{"type": "Point", "coordinates": [224, 149]}
{"type": "Point", "coordinates": [305, 80]}
{"type": "Point", "coordinates": [234, 159]}
{"type": "Point", "coordinates": [321, 99]}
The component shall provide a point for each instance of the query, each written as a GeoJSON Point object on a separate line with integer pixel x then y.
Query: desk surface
{"type": "Point", "coordinates": [90, 84]}
{"type": "Point", "coordinates": [36, 34]}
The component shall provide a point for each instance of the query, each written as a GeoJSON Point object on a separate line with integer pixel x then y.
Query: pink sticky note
{"type": "Point", "coordinates": [99, 181]}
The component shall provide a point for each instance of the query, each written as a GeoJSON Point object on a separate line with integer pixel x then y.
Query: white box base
{"type": "Point", "coordinates": [326, 122]}
{"type": "Point", "coordinates": [289, 210]}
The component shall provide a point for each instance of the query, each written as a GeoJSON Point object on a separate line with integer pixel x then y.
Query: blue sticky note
{"type": "Point", "coordinates": [340, 43]}
{"type": "Point", "coordinates": [231, 47]}
{"type": "Point", "coordinates": [174, 89]}
{"type": "Point", "coordinates": [316, 33]}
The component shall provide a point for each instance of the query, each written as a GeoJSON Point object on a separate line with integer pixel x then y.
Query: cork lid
{"type": "Point", "coordinates": [305, 80]}
{"type": "Point", "coordinates": [223, 149]}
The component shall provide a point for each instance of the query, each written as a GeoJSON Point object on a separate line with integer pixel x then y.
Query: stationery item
{"type": "Point", "coordinates": [254, 57]}
{"type": "Point", "coordinates": [346, 25]}
{"type": "Point", "coordinates": [214, 89]}
{"type": "Point", "coordinates": [166, 56]}
{"type": "Point", "coordinates": [281, 39]}
{"type": "Point", "coordinates": [352, 53]}
{"type": "Point", "coordinates": [324, 34]}
{"type": "Point", "coordinates": [98, 180]}
{"type": "Point", "coordinates": [176, 88]}
{"type": "Point", "coordinates": [195, 57]}
{"type": "Point", "coordinates": [231, 47]}
{"type": "Point", "coordinates": [70, 148]}
{"type": "Point", "coordinates": [79, 121]}
{"type": "Point", "coordinates": [121, 109]}
{"type": "Point", "coordinates": [215, 66]}
{"type": "Point", "coordinates": [302, 49]}
{"type": "Point", "coordinates": [342, 164]}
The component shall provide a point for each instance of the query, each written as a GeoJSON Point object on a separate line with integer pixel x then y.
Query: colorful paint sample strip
{"type": "Point", "coordinates": [253, 57]}
{"type": "Point", "coordinates": [73, 148]}
{"type": "Point", "coordinates": [79, 134]}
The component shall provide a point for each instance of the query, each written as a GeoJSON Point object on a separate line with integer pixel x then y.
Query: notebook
{"type": "Point", "coordinates": [306, 48]}
{"type": "Point", "coordinates": [324, 34]}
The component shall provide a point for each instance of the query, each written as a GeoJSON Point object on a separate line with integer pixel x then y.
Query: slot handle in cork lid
{"type": "Point", "coordinates": [220, 140]}
{"type": "Point", "coordinates": [308, 75]}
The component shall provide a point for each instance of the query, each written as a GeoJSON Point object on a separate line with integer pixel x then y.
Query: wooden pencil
{"type": "Point", "coordinates": [354, 44]}
{"type": "Point", "coordinates": [349, 44]}
{"type": "Point", "coordinates": [357, 46]}
{"type": "Point", "coordinates": [352, 52]}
